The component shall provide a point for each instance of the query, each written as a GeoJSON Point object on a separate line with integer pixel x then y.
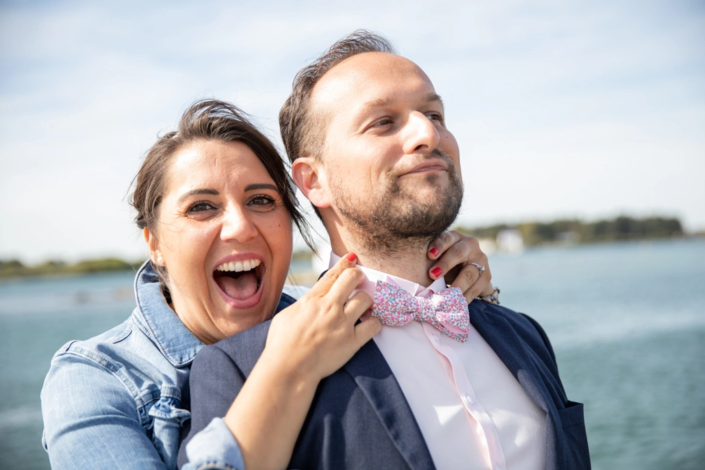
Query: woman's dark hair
{"type": "Point", "coordinates": [209, 120]}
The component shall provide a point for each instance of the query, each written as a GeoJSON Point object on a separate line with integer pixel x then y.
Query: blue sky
{"type": "Point", "coordinates": [561, 109]}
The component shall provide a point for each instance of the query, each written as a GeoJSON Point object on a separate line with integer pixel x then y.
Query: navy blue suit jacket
{"type": "Point", "coordinates": [360, 419]}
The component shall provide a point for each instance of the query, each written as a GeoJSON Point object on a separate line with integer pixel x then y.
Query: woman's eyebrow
{"type": "Point", "coordinates": [252, 187]}
{"type": "Point", "coordinates": [194, 192]}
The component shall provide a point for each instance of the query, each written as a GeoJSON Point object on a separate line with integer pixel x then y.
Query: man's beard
{"type": "Point", "coordinates": [394, 220]}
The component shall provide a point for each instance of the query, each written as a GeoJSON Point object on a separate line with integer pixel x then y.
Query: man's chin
{"type": "Point", "coordinates": [426, 195]}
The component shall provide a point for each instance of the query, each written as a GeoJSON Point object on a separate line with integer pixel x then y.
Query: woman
{"type": "Point", "coordinates": [216, 207]}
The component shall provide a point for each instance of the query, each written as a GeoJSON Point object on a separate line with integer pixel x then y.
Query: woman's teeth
{"type": "Point", "coordinates": [238, 266]}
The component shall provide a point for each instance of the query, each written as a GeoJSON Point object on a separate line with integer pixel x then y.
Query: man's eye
{"type": "Point", "coordinates": [200, 207]}
{"type": "Point", "coordinates": [435, 117]}
{"type": "Point", "coordinates": [383, 122]}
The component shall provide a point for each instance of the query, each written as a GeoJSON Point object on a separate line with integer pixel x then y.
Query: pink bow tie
{"type": "Point", "coordinates": [446, 310]}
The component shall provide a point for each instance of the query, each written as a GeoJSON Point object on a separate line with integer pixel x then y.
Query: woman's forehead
{"type": "Point", "coordinates": [231, 164]}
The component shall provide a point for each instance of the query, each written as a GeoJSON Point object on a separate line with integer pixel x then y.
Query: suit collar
{"type": "Point", "coordinates": [374, 377]}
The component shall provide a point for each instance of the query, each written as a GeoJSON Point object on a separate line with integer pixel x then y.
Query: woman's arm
{"type": "Point", "coordinates": [92, 421]}
{"type": "Point", "coordinates": [306, 342]}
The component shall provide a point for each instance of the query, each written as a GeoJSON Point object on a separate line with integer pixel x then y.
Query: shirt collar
{"type": "Point", "coordinates": [372, 276]}
{"type": "Point", "coordinates": [159, 322]}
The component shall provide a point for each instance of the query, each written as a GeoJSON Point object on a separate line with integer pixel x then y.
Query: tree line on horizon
{"type": "Point", "coordinates": [621, 228]}
{"type": "Point", "coordinates": [15, 268]}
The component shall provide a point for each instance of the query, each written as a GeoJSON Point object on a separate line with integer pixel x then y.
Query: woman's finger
{"type": "Point", "coordinates": [344, 285]}
{"type": "Point", "coordinates": [357, 305]}
{"type": "Point", "coordinates": [463, 251]}
{"type": "Point", "coordinates": [472, 282]}
{"type": "Point", "coordinates": [466, 278]}
{"type": "Point", "coordinates": [365, 330]}
{"type": "Point", "coordinates": [442, 243]}
{"type": "Point", "coordinates": [324, 284]}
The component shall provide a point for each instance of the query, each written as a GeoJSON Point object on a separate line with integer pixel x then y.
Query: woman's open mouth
{"type": "Point", "coordinates": [240, 282]}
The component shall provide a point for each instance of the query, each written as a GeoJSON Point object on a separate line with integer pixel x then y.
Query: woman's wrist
{"type": "Point", "coordinates": [290, 372]}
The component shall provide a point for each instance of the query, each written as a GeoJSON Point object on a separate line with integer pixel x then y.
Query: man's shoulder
{"type": "Point", "coordinates": [243, 349]}
{"type": "Point", "coordinates": [498, 313]}
{"type": "Point", "coordinates": [507, 320]}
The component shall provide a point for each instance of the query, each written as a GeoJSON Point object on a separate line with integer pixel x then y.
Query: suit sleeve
{"type": "Point", "coordinates": [215, 381]}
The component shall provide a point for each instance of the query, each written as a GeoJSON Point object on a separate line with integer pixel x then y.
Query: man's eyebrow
{"type": "Point", "coordinates": [378, 103]}
{"type": "Point", "coordinates": [252, 187]}
{"type": "Point", "coordinates": [433, 96]}
{"type": "Point", "coordinates": [381, 102]}
{"type": "Point", "coordinates": [195, 192]}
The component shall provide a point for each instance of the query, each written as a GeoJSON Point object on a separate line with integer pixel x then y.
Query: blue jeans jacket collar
{"type": "Point", "coordinates": [159, 322]}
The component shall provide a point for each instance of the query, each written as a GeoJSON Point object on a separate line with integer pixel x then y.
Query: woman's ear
{"type": "Point", "coordinates": [309, 176]}
{"type": "Point", "coordinates": [153, 243]}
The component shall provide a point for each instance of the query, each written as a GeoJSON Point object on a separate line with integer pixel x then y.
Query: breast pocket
{"type": "Point", "coordinates": [576, 445]}
{"type": "Point", "coordinates": [167, 420]}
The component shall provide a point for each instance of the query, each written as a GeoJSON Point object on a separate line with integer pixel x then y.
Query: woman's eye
{"type": "Point", "coordinates": [261, 201]}
{"type": "Point", "coordinates": [200, 207]}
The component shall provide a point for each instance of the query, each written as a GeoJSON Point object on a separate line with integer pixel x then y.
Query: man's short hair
{"type": "Point", "coordinates": [301, 132]}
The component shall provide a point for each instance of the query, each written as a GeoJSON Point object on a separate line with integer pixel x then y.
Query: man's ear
{"type": "Point", "coordinates": [309, 176]}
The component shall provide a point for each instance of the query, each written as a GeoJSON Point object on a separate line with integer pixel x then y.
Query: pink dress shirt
{"type": "Point", "coordinates": [471, 410]}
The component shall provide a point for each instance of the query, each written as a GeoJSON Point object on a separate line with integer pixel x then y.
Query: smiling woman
{"type": "Point", "coordinates": [217, 210]}
{"type": "Point", "coordinates": [219, 194]}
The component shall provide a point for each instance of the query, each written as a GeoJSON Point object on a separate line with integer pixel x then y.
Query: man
{"type": "Point", "coordinates": [366, 133]}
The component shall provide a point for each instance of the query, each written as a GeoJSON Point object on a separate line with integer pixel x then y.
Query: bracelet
{"type": "Point", "coordinates": [493, 298]}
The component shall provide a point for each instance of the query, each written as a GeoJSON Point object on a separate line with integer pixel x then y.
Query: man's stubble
{"type": "Point", "coordinates": [394, 220]}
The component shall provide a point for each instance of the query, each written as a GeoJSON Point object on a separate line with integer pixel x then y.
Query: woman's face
{"type": "Point", "coordinates": [225, 238]}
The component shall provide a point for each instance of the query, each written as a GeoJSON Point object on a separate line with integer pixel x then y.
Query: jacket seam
{"type": "Point", "coordinates": [113, 368]}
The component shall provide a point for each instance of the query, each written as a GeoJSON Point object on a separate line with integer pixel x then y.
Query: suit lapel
{"type": "Point", "coordinates": [501, 337]}
{"type": "Point", "coordinates": [372, 374]}
{"type": "Point", "coordinates": [521, 362]}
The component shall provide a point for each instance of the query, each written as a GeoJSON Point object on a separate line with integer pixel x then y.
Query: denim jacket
{"type": "Point", "coordinates": [120, 399]}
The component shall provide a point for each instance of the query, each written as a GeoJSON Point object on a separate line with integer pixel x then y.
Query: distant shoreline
{"type": "Point", "coordinates": [13, 270]}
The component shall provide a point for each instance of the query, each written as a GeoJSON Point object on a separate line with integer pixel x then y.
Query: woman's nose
{"type": "Point", "coordinates": [420, 135]}
{"type": "Point", "coordinates": [237, 226]}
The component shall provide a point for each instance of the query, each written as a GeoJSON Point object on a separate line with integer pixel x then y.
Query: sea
{"type": "Point", "coordinates": [627, 323]}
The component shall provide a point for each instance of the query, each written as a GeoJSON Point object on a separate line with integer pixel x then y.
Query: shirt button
{"type": "Point", "coordinates": [469, 399]}
{"type": "Point", "coordinates": [437, 338]}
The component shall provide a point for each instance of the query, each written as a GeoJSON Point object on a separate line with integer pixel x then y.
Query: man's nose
{"type": "Point", "coordinates": [238, 226]}
{"type": "Point", "coordinates": [420, 134]}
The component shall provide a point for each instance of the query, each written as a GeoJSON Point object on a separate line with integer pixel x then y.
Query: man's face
{"type": "Point", "coordinates": [391, 166]}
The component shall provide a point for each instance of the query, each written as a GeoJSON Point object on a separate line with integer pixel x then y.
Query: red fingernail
{"type": "Point", "coordinates": [434, 251]}
{"type": "Point", "coordinates": [436, 272]}
{"type": "Point", "coordinates": [351, 257]}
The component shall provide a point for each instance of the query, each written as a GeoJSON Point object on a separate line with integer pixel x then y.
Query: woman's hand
{"type": "Point", "coordinates": [317, 334]}
{"type": "Point", "coordinates": [455, 254]}
{"type": "Point", "coordinates": [306, 342]}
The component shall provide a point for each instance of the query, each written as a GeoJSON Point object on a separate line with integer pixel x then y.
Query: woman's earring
{"type": "Point", "coordinates": [160, 260]}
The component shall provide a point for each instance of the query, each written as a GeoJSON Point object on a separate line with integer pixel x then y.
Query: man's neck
{"type": "Point", "coordinates": [410, 262]}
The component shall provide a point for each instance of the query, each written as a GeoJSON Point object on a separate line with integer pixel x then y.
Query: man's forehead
{"type": "Point", "coordinates": [359, 73]}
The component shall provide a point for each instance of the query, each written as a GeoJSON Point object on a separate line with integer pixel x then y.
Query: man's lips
{"type": "Point", "coordinates": [427, 166]}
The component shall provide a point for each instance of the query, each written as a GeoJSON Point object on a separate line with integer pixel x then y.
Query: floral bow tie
{"type": "Point", "coordinates": [446, 310]}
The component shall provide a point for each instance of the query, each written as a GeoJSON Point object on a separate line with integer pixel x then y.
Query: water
{"type": "Point", "coordinates": [627, 322]}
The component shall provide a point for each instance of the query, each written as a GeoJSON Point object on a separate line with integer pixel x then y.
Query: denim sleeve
{"type": "Point", "coordinates": [214, 448]}
{"type": "Point", "coordinates": [91, 420]}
